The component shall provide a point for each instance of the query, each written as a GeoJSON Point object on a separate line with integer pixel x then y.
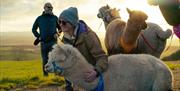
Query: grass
{"type": "Point", "coordinates": [28, 75]}
{"type": "Point", "coordinates": [19, 53]}
{"type": "Point", "coordinates": [25, 74]}
{"type": "Point", "coordinates": [16, 73]}
{"type": "Point", "coordinates": [173, 66]}
{"type": "Point", "coordinates": [20, 69]}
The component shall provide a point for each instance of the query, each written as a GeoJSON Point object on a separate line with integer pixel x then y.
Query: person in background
{"type": "Point", "coordinates": [77, 33]}
{"type": "Point", "coordinates": [47, 35]}
{"type": "Point", "coordinates": [170, 9]}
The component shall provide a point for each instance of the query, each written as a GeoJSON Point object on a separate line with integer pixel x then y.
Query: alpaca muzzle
{"type": "Point", "coordinates": [99, 15]}
{"type": "Point", "coordinates": [48, 68]}
{"type": "Point", "coordinates": [57, 69]}
{"type": "Point", "coordinates": [143, 26]}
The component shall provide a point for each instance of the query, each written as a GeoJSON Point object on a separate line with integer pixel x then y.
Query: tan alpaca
{"type": "Point", "coordinates": [135, 24]}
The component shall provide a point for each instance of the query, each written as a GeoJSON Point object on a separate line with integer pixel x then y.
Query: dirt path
{"type": "Point", "coordinates": [52, 88]}
{"type": "Point", "coordinates": [176, 73]}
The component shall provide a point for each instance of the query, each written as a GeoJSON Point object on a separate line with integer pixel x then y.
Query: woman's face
{"type": "Point", "coordinates": [65, 26]}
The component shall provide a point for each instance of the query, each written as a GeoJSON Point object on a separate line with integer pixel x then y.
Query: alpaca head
{"type": "Point", "coordinates": [58, 58]}
{"type": "Point", "coordinates": [138, 17]}
{"type": "Point", "coordinates": [108, 14]}
{"type": "Point", "coordinates": [103, 11]}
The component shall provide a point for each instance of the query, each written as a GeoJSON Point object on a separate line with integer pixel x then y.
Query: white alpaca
{"type": "Point", "coordinates": [138, 72]}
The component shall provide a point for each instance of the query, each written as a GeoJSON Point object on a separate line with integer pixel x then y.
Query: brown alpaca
{"type": "Point", "coordinates": [115, 25]}
{"type": "Point", "coordinates": [122, 39]}
{"type": "Point", "coordinates": [135, 24]}
{"type": "Point", "coordinates": [119, 31]}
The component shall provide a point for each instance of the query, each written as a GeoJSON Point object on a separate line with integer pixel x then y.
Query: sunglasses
{"type": "Point", "coordinates": [62, 22]}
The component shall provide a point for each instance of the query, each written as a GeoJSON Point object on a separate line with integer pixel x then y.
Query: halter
{"type": "Point", "coordinates": [57, 68]}
{"type": "Point", "coordinates": [100, 86]}
{"type": "Point", "coordinates": [60, 70]}
{"type": "Point", "coordinates": [105, 17]}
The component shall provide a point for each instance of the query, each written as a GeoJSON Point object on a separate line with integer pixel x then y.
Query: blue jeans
{"type": "Point", "coordinates": [45, 49]}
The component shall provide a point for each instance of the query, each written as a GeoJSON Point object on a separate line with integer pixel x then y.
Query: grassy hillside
{"type": "Point", "coordinates": [20, 63]}
{"type": "Point", "coordinates": [21, 75]}
{"type": "Point", "coordinates": [25, 75]}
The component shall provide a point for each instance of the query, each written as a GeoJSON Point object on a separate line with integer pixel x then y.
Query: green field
{"type": "Point", "coordinates": [28, 75]}
{"type": "Point", "coordinates": [25, 75]}
{"type": "Point", "coordinates": [21, 69]}
{"type": "Point", "coordinates": [19, 52]}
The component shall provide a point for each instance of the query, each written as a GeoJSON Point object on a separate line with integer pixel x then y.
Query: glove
{"type": "Point", "coordinates": [36, 42]}
{"type": "Point", "coordinates": [90, 75]}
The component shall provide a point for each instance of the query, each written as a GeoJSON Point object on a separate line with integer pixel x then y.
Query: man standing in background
{"type": "Point", "coordinates": [48, 25]}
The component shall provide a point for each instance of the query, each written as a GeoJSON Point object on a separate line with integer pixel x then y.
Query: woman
{"type": "Point", "coordinates": [78, 34]}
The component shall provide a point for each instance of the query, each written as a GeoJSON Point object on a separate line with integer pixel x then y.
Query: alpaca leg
{"type": "Point", "coordinates": [164, 34]}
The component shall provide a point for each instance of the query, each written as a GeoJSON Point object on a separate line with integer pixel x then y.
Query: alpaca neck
{"type": "Point", "coordinates": [75, 74]}
{"type": "Point", "coordinates": [106, 22]}
{"type": "Point", "coordinates": [131, 32]}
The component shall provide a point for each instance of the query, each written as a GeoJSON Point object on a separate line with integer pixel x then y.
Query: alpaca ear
{"type": "Point", "coordinates": [55, 46]}
{"type": "Point", "coordinates": [107, 6]}
{"type": "Point", "coordinates": [67, 49]}
{"type": "Point", "coordinates": [128, 10]}
{"type": "Point", "coordinates": [114, 12]}
{"type": "Point", "coordinates": [117, 9]}
{"type": "Point", "coordinates": [61, 48]}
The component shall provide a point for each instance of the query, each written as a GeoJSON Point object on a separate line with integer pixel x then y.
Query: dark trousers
{"type": "Point", "coordinates": [68, 86]}
{"type": "Point", "coordinates": [45, 49]}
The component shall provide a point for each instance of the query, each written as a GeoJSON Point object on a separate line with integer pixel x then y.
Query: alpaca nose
{"type": "Point", "coordinates": [144, 26]}
{"type": "Point", "coordinates": [46, 67]}
{"type": "Point", "coordinates": [99, 15]}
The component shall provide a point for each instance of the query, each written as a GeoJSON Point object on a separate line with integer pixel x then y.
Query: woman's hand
{"type": "Point", "coordinates": [90, 75]}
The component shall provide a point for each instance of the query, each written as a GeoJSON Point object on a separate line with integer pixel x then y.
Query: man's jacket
{"type": "Point", "coordinates": [47, 25]}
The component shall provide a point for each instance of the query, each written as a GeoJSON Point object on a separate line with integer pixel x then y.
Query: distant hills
{"type": "Point", "coordinates": [27, 38]}
{"type": "Point", "coordinates": [16, 38]}
{"type": "Point", "coordinates": [21, 43]}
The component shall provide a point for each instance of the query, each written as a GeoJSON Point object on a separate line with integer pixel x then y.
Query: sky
{"type": "Point", "coordinates": [19, 15]}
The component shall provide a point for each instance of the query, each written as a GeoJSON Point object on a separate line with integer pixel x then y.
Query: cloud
{"type": "Point", "coordinates": [22, 13]}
